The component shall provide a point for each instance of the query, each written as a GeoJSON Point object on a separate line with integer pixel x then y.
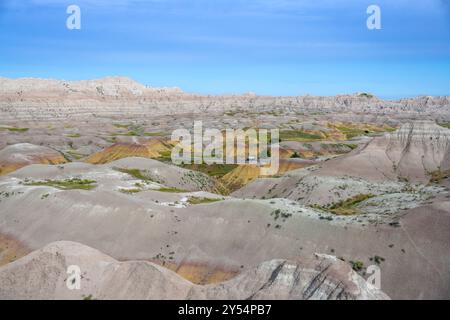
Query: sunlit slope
{"type": "Point", "coordinates": [151, 148]}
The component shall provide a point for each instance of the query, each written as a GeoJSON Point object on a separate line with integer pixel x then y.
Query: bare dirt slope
{"type": "Point", "coordinates": [231, 235]}
{"type": "Point", "coordinates": [43, 273]}
{"type": "Point", "coordinates": [411, 153]}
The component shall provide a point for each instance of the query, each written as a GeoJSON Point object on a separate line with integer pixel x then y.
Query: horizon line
{"type": "Point", "coordinates": [247, 92]}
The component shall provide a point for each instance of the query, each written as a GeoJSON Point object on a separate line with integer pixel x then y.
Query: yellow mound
{"type": "Point", "coordinates": [153, 148]}
{"type": "Point", "coordinates": [10, 166]}
{"type": "Point", "coordinates": [199, 273]}
{"type": "Point", "coordinates": [286, 153]}
{"type": "Point", "coordinates": [244, 174]}
{"type": "Point", "coordinates": [240, 176]}
{"type": "Point", "coordinates": [289, 165]}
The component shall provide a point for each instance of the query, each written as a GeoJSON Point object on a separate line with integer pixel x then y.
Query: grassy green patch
{"type": "Point", "coordinates": [198, 200]}
{"type": "Point", "coordinates": [445, 125]}
{"type": "Point", "coordinates": [298, 135]}
{"type": "Point", "coordinates": [127, 134]}
{"type": "Point", "coordinates": [130, 191]}
{"type": "Point", "coordinates": [67, 184]}
{"type": "Point", "coordinates": [352, 130]}
{"type": "Point", "coordinates": [366, 95]}
{"type": "Point", "coordinates": [135, 173]}
{"type": "Point", "coordinates": [75, 154]}
{"type": "Point", "coordinates": [389, 129]}
{"type": "Point", "coordinates": [212, 170]}
{"type": "Point", "coordinates": [347, 206]}
{"type": "Point", "coordinates": [15, 129]}
{"type": "Point", "coordinates": [154, 134]}
{"type": "Point", "coordinates": [75, 135]}
{"type": "Point", "coordinates": [122, 126]}
{"type": "Point", "coordinates": [350, 145]}
{"type": "Point", "coordinates": [357, 265]}
{"type": "Point", "coordinates": [165, 156]}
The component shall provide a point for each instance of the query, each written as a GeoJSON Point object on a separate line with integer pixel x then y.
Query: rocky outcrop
{"type": "Point", "coordinates": [40, 99]}
{"type": "Point", "coordinates": [43, 275]}
{"type": "Point", "coordinates": [386, 166]}
{"type": "Point", "coordinates": [411, 154]}
{"type": "Point", "coordinates": [418, 149]}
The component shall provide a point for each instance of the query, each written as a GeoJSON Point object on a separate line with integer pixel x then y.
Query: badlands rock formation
{"type": "Point", "coordinates": [43, 275]}
{"type": "Point", "coordinates": [386, 164]}
{"type": "Point", "coordinates": [22, 154]}
{"type": "Point", "coordinates": [412, 153]}
{"type": "Point", "coordinates": [215, 241]}
{"type": "Point", "coordinates": [39, 99]}
{"type": "Point", "coordinates": [150, 148]}
{"type": "Point", "coordinates": [347, 188]}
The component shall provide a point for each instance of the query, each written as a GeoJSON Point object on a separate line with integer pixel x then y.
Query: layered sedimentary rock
{"type": "Point", "coordinates": [244, 174]}
{"type": "Point", "coordinates": [39, 99]}
{"type": "Point", "coordinates": [419, 149]}
{"type": "Point", "coordinates": [151, 148]}
{"type": "Point", "coordinates": [415, 153]}
{"type": "Point", "coordinates": [412, 153]}
{"type": "Point", "coordinates": [23, 154]}
{"type": "Point", "coordinates": [43, 275]}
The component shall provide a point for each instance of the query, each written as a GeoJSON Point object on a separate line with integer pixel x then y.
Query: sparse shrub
{"type": "Point", "coordinates": [377, 259]}
{"type": "Point", "coordinates": [357, 265]}
{"type": "Point", "coordinates": [295, 155]}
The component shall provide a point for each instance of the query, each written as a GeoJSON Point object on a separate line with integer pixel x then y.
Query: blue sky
{"type": "Point", "coordinates": [276, 47]}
